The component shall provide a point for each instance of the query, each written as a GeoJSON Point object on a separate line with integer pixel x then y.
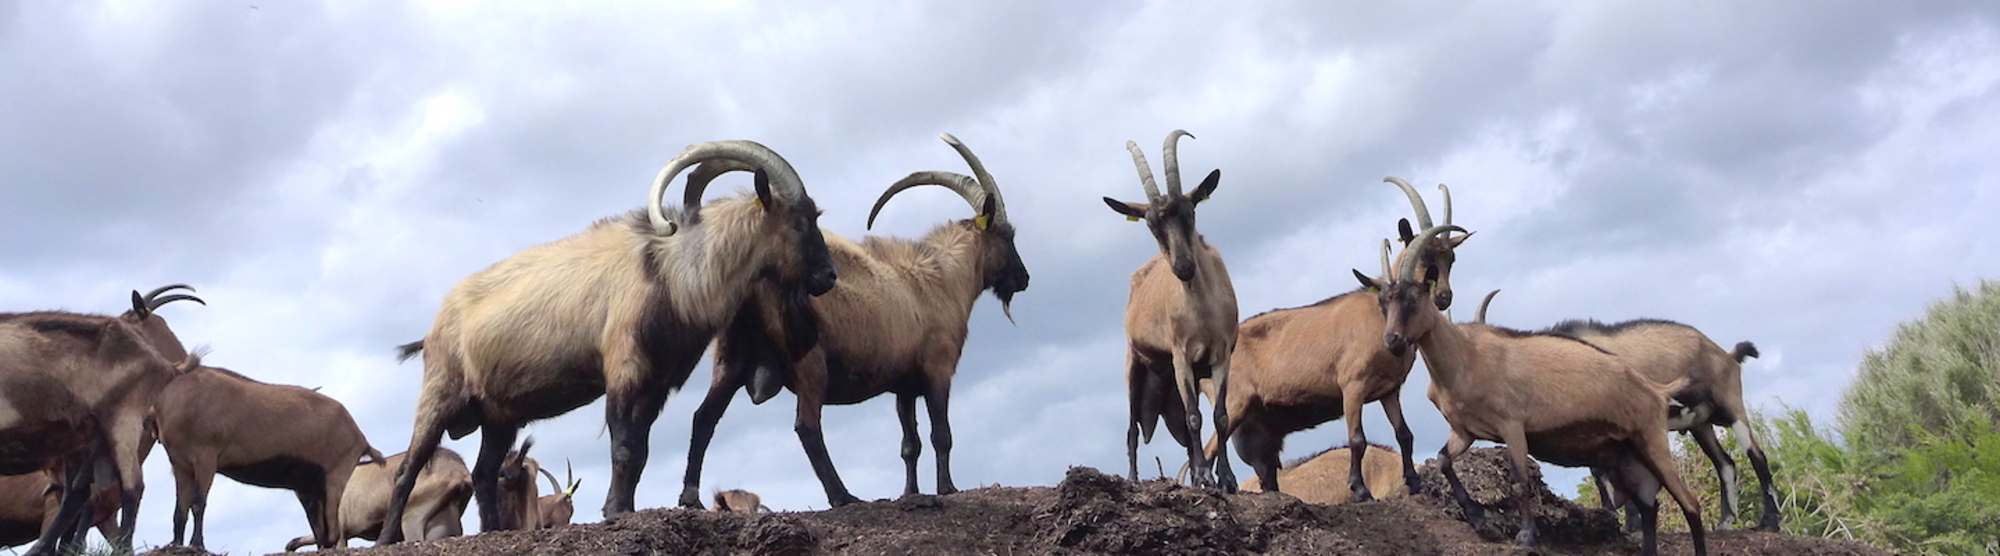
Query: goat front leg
{"type": "Point", "coordinates": [1184, 382]}
{"type": "Point", "coordinates": [728, 380]}
{"type": "Point", "coordinates": [810, 386]}
{"type": "Point", "coordinates": [1518, 462]}
{"type": "Point", "coordinates": [1352, 400]}
{"type": "Point", "coordinates": [1224, 476]}
{"type": "Point", "coordinates": [938, 402]}
{"type": "Point", "coordinates": [1138, 386]}
{"type": "Point", "coordinates": [494, 443]}
{"type": "Point", "coordinates": [1392, 407]}
{"type": "Point", "coordinates": [1454, 448]}
{"type": "Point", "coordinates": [913, 444]}
{"type": "Point", "coordinates": [631, 406]}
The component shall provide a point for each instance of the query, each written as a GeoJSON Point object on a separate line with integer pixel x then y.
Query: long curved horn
{"type": "Point", "coordinates": [962, 184]}
{"type": "Point", "coordinates": [1409, 267]}
{"type": "Point", "coordinates": [1145, 172]}
{"type": "Point", "coordinates": [554, 485]}
{"type": "Point", "coordinates": [1170, 156]}
{"type": "Point", "coordinates": [569, 471]}
{"type": "Point", "coordinates": [154, 304]}
{"type": "Point", "coordinates": [1385, 260]}
{"type": "Point", "coordinates": [986, 180]}
{"type": "Point", "coordinates": [697, 182]}
{"type": "Point", "coordinates": [1416, 202]}
{"type": "Point", "coordinates": [785, 181]}
{"type": "Point", "coordinates": [1480, 316]}
{"type": "Point", "coordinates": [164, 289]}
{"type": "Point", "coordinates": [1447, 203]}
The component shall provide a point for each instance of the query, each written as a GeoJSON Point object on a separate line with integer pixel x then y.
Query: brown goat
{"type": "Point", "coordinates": [74, 391]}
{"type": "Point", "coordinates": [444, 489]}
{"type": "Point", "coordinates": [558, 509]}
{"type": "Point", "coordinates": [1322, 478]}
{"type": "Point", "coordinates": [1180, 322]}
{"type": "Point", "coordinates": [896, 323]}
{"type": "Point", "coordinates": [1561, 399]}
{"type": "Point", "coordinates": [740, 501]}
{"type": "Point", "coordinates": [29, 503]}
{"type": "Point", "coordinates": [622, 310]}
{"type": "Point", "coordinates": [213, 420]}
{"type": "Point", "coordinates": [1665, 351]}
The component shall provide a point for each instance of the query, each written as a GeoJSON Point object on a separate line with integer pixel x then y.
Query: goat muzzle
{"type": "Point", "coordinates": [1443, 299]}
{"type": "Point", "coordinates": [1398, 346]}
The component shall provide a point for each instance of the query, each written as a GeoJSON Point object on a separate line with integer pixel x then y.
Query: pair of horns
{"type": "Point", "coordinates": [569, 471]}
{"type": "Point", "coordinates": [1170, 156]}
{"type": "Point", "coordinates": [977, 190]}
{"type": "Point", "coordinates": [733, 156]}
{"type": "Point", "coordinates": [150, 301]}
{"type": "Point", "coordinates": [1417, 202]}
{"type": "Point", "coordinates": [1408, 269]}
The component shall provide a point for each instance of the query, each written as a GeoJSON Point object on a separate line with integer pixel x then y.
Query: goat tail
{"type": "Point", "coordinates": [1744, 350]}
{"type": "Point", "coordinates": [373, 457]}
{"type": "Point", "coordinates": [406, 351]}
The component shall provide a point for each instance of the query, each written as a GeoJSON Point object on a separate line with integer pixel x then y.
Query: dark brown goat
{"type": "Point", "coordinates": [213, 420]}
{"type": "Point", "coordinates": [896, 323]}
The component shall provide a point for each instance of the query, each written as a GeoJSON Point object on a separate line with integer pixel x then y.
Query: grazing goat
{"type": "Point", "coordinates": [740, 501]}
{"type": "Point", "coordinates": [1561, 399]}
{"type": "Point", "coordinates": [622, 310]}
{"type": "Point", "coordinates": [1180, 322]}
{"type": "Point", "coordinates": [520, 498]}
{"type": "Point", "coordinates": [1665, 351]}
{"type": "Point", "coordinates": [444, 488]}
{"type": "Point", "coordinates": [558, 509]}
{"type": "Point", "coordinates": [895, 324]}
{"type": "Point", "coordinates": [74, 392]}
{"type": "Point", "coordinates": [213, 420]}
{"type": "Point", "coordinates": [1322, 478]}
{"type": "Point", "coordinates": [1300, 367]}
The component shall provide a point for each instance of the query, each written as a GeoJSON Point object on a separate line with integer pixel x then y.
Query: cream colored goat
{"type": "Point", "coordinates": [437, 506]}
{"type": "Point", "coordinates": [1323, 478]}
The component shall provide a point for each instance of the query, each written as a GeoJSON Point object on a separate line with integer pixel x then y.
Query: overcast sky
{"type": "Point", "coordinates": [1803, 175]}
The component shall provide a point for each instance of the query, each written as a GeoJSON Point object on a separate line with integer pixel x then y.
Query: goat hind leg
{"type": "Point", "coordinates": [1659, 459]}
{"type": "Point", "coordinates": [1744, 436]}
{"type": "Point", "coordinates": [494, 443]}
{"type": "Point", "coordinates": [1725, 470]}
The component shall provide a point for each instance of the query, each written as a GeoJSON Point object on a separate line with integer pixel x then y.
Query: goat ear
{"type": "Point", "coordinates": [1461, 239]}
{"type": "Point", "coordinates": [1403, 232]}
{"type": "Point", "coordinates": [1207, 187]}
{"type": "Point", "coordinates": [1367, 283]}
{"type": "Point", "coordinates": [139, 304]}
{"type": "Point", "coordinates": [1132, 211]}
{"type": "Point", "coordinates": [763, 191]}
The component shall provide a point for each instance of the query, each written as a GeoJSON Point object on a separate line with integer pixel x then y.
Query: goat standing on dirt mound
{"type": "Point", "coordinates": [623, 310]}
{"type": "Point", "coordinates": [1180, 322]}
{"type": "Point", "coordinates": [896, 323]}
{"type": "Point", "coordinates": [1562, 399]}
{"type": "Point", "coordinates": [1665, 351]}
{"type": "Point", "coordinates": [444, 488]}
{"type": "Point", "coordinates": [213, 420]}
{"type": "Point", "coordinates": [74, 392]}
{"type": "Point", "coordinates": [1297, 368]}
{"type": "Point", "coordinates": [1322, 478]}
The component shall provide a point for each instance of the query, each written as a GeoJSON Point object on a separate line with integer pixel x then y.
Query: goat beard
{"type": "Point", "coordinates": [1006, 305]}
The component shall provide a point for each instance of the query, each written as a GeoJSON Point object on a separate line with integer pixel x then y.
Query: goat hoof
{"type": "Point", "coordinates": [1527, 537]}
{"type": "Point", "coordinates": [842, 500]}
{"type": "Point", "coordinates": [947, 489]}
{"type": "Point", "coordinates": [1769, 523]}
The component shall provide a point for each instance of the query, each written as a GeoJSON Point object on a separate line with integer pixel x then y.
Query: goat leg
{"type": "Point", "coordinates": [913, 444]}
{"type": "Point", "coordinates": [1392, 407]}
{"type": "Point", "coordinates": [630, 409]}
{"type": "Point", "coordinates": [810, 387]}
{"type": "Point", "coordinates": [721, 391]}
{"type": "Point", "coordinates": [1357, 444]}
{"type": "Point", "coordinates": [1198, 471]}
{"type": "Point", "coordinates": [1224, 476]}
{"type": "Point", "coordinates": [76, 491]}
{"type": "Point", "coordinates": [1453, 448]}
{"type": "Point", "coordinates": [938, 403]}
{"type": "Point", "coordinates": [1763, 468]}
{"type": "Point", "coordinates": [1659, 459]}
{"type": "Point", "coordinates": [1725, 471]}
{"type": "Point", "coordinates": [494, 443]}
{"type": "Point", "coordinates": [1517, 468]}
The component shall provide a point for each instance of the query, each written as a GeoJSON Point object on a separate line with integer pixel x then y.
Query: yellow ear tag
{"type": "Point", "coordinates": [1374, 290]}
{"type": "Point", "coordinates": [760, 203]}
{"type": "Point", "coordinates": [982, 221]}
{"type": "Point", "coordinates": [1131, 219]}
{"type": "Point", "coordinates": [1431, 285]}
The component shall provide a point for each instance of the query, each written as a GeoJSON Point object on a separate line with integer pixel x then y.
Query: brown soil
{"type": "Point", "coordinates": [1094, 513]}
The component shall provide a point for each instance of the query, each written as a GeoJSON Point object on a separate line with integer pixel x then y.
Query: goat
{"type": "Point", "coordinates": [1299, 367]}
{"type": "Point", "coordinates": [558, 509]}
{"type": "Point", "coordinates": [896, 324]}
{"type": "Point", "coordinates": [1665, 351]}
{"type": "Point", "coordinates": [444, 488]}
{"type": "Point", "coordinates": [1179, 327]}
{"type": "Point", "coordinates": [520, 498]}
{"type": "Point", "coordinates": [213, 420]}
{"type": "Point", "coordinates": [1563, 400]}
{"type": "Point", "coordinates": [29, 503]}
{"type": "Point", "coordinates": [740, 501]}
{"type": "Point", "coordinates": [1322, 478]}
{"type": "Point", "coordinates": [622, 310]}
{"type": "Point", "coordinates": [74, 392]}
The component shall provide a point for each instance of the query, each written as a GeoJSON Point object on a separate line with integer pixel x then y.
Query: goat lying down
{"type": "Point", "coordinates": [212, 420]}
{"type": "Point", "coordinates": [896, 323]}
{"type": "Point", "coordinates": [444, 488]}
{"type": "Point", "coordinates": [740, 501]}
{"type": "Point", "coordinates": [1561, 399]}
{"type": "Point", "coordinates": [1322, 478]}
{"type": "Point", "coordinates": [622, 310]}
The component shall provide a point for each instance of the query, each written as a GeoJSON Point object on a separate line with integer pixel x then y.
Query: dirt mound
{"type": "Point", "coordinates": [1093, 513]}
